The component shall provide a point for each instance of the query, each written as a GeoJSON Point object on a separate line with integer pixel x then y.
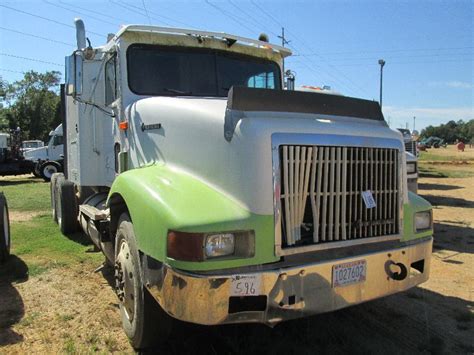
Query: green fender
{"type": "Point", "coordinates": [160, 198]}
{"type": "Point", "coordinates": [416, 204]}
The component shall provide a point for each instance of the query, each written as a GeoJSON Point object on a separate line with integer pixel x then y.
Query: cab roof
{"type": "Point", "coordinates": [230, 39]}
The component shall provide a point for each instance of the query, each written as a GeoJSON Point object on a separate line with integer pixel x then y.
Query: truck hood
{"type": "Point", "coordinates": [36, 154]}
{"type": "Point", "coordinates": [189, 134]}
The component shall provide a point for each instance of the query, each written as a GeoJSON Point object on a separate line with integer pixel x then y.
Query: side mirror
{"type": "Point", "coordinates": [74, 74]}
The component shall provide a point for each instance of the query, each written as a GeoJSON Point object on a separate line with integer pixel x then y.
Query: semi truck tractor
{"type": "Point", "coordinates": [48, 159]}
{"type": "Point", "coordinates": [12, 161]}
{"type": "Point", "coordinates": [220, 197]}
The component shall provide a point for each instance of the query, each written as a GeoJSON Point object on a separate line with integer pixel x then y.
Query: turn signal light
{"type": "Point", "coordinates": [123, 125]}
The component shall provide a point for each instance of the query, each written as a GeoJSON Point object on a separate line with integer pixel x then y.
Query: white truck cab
{"type": "Point", "coordinates": [53, 151]}
{"type": "Point", "coordinates": [48, 158]}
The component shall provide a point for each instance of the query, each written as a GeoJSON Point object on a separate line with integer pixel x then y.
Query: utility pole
{"type": "Point", "coordinates": [414, 120]}
{"type": "Point", "coordinates": [283, 42]}
{"type": "Point", "coordinates": [382, 63]}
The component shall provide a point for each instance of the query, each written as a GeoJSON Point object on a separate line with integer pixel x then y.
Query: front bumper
{"type": "Point", "coordinates": [288, 293]}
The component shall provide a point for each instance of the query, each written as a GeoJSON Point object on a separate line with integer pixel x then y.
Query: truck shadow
{"type": "Point", "coordinates": [12, 308]}
{"type": "Point", "coordinates": [448, 201]}
{"type": "Point", "coordinates": [442, 187]}
{"type": "Point", "coordinates": [416, 321]}
{"type": "Point", "coordinates": [453, 236]}
{"type": "Point", "coordinates": [6, 181]}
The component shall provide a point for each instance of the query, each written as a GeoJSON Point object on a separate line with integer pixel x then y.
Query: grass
{"type": "Point", "coordinates": [449, 154]}
{"type": "Point", "coordinates": [445, 171]}
{"type": "Point", "coordinates": [26, 194]}
{"type": "Point", "coordinates": [38, 241]}
{"type": "Point", "coordinates": [447, 163]}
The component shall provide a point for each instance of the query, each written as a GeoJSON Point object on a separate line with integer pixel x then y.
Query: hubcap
{"type": "Point", "coordinates": [124, 274]}
{"type": "Point", "coordinates": [49, 170]}
{"type": "Point", "coordinates": [5, 227]}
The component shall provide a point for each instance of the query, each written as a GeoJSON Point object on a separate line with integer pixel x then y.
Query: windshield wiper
{"type": "Point", "coordinates": [180, 92]}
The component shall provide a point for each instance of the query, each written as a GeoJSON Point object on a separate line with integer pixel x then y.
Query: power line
{"type": "Point", "coordinates": [399, 57]}
{"type": "Point", "coordinates": [392, 50]}
{"type": "Point", "coordinates": [35, 36]}
{"type": "Point", "coordinates": [146, 11]}
{"type": "Point", "coordinates": [410, 62]}
{"type": "Point", "coordinates": [79, 12]}
{"type": "Point", "coordinates": [159, 15]}
{"type": "Point", "coordinates": [256, 23]}
{"type": "Point", "coordinates": [233, 17]}
{"type": "Point", "coordinates": [271, 17]}
{"type": "Point", "coordinates": [12, 71]}
{"type": "Point", "coordinates": [94, 12]}
{"type": "Point", "coordinates": [140, 12]}
{"type": "Point", "coordinates": [46, 19]}
{"type": "Point", "coordinates": [31, 59]}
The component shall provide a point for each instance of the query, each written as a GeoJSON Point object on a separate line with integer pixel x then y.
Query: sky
{"type": "Point", "coordinates": [428, 46]}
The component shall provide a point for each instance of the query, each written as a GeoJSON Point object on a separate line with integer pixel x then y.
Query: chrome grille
{"type": "Point", "coordinates": [410, 147]}
{"type": "Point", "coordinates": [321, 193]}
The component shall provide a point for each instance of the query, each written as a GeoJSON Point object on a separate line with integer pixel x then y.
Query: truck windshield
{"type": "Point", "coordinates": [172, 71]}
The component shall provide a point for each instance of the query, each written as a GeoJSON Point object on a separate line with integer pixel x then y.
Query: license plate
{"type": "Point", "coordinates": [349, 273]}
{"type": "Point", "coordinates": [246, 285]}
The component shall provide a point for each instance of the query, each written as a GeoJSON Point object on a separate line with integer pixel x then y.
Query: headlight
{"type": "Point", "coordinates": [423, 221]}
{"type": "Point", "coordinates": [411, 168]}
{"type": "Point", "coordinates": [220, 245]}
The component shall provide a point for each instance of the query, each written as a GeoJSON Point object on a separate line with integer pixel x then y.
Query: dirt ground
{"type": "Point", "coordinates": [74, 310]}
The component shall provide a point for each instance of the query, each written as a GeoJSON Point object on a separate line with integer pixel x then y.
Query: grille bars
{"type": "Point", "coordinates": [333, 178]}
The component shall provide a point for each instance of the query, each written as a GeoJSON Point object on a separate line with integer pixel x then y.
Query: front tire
{"type": "Point", "coordinates": [143, 320]}
{"type": "Point", "coordinates": [4, 229]}
{"type": "Point", "coordinates": [48, 168]}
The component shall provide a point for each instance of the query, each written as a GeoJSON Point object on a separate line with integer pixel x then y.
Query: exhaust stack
{"type": "Point", "coordinates": [80, 33]}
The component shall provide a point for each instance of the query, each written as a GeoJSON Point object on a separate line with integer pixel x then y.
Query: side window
{"type": "Point", "coordinates": [110, 80]}
{"type": "Point", "coordinates": [58, 140]}
{"type": "Point", "coordinates": [262, 81]}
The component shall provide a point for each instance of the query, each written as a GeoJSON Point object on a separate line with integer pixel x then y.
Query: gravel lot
{"type": "Point", "coordinates": [69, 308]}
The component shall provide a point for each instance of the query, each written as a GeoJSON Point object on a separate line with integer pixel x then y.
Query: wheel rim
{"type": "Point", "coordinates": [49, 170]}
{"type": "Point", "coordinates": [6, 231]}
{"type": "Point", "coordinates": [124, 274]}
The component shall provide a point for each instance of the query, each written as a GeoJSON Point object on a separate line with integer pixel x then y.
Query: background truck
{"type": "Point", "coordinates": [31, 144]}
{"type": "Point", "coordinates": [12, 161]}
{"type": "Point", "coordinates": [48, 159]}
{"type": "Point", "coordinates": [221, 198]}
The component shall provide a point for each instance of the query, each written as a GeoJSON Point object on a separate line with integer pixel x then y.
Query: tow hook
{"type": "Point", "coordinates": [398, 275]}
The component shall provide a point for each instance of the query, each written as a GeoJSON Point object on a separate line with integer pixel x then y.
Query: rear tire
{"type": "Point", "coordinates": [143, 320]}
{"type": "Point", "coordinates": [4, 230]}
{"type": "Point", "coordinates": [53, 191]}
{"type": "Point", "coordinates": [66, 206]}
{"type": "Point", "coordinates": [36, 170]}
{"type": "Point", "coordinates": [48, 168]}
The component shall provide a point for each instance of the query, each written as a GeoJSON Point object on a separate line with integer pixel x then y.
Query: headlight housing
{"type": "Point", "coordinates": [411, 167]}
{"type": "Point", "coordinates": [186, 246]}
{"type": "Point", "coordinates": [423, 221]}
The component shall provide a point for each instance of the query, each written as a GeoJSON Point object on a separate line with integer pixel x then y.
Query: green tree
{"type": "Point", "coordinates": [33, 104]}
{"type": "Point", "coordinates": [451, 131]}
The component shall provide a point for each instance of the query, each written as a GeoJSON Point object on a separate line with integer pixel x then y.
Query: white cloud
{"type": "Point", "coordinates": [426, 116]}
{"type": "Point", "coordinates": [452, 84]}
